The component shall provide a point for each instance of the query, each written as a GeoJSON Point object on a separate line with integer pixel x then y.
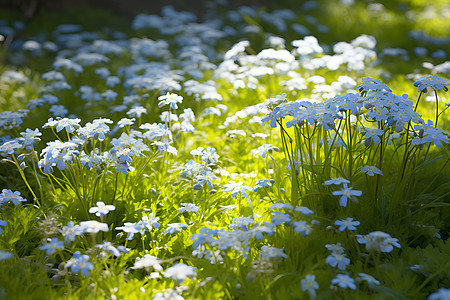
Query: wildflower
{"type": "Point", "coordinates": [378, 241]}
{"type": "Point", "coordinates": [126, 122]}
{"type": "Point", "coordinates": [68, 124]}
{"type": "Point", "coordinates": [101, 209]}
{"type": "Point", "coordinates": [262, 150]}
{"type": "Point", "coordinates": [148, 223]}
{"type": "Point", "coordinates": [174, 228]}
{"type": "Point", "coordinates": [344, 281]}
{"type": "Point", "coordinates": [440, 294]}
{"type": "Point", "coordinates": [281, 206]}
{"type": "Point", "coordinates": [374, 134]}
{"type": "Point", "coordinates": [71, 231]}
{"type": "Point", "coordinates": [171, 99]}
{"type": "Point", "coordinates": [189, 207]}
{"type": "Point", "coordinates": [93, 226]}
{"type": "Point", "coordinates": [108, 246]}
{"type": "Point", "coordinates": [130, 229]}
{"type": "Point", "coordinates": [111, 81]}
{"type": "Point", "coordinates": [5, 255]}
{"type": "Point", "coordinates": [137, 111]}
{"type": "Point", "coordinates": [8, 195]}
{"type": "Point", "coordinates": [371, 170]}
{"type": "Point", "coordinates": [280, 218]}
{"type": "Point", "coordinates": [169, 294]}
{"type": "Point", "coordinates": [339, 260]}
{"type": "Point", "coordinates": [29, 137]}
{"type": "Point", "coordinates": [237, 187]}
{"type": "Point", "coordinates": [9, 147]}
{"type": "Point", "coordinates": [372, 84]}
{"type": "Point", "coordinates": [348, 224]}
{"type": "Point", "coordinates": [302, 227]}
{"type": "Point", "coordinates": [369, 279]}
{"type": "Point", "coordinates": [52, 246]}
{"type": "Point", "coordinates": [58, 110]}
{"type": "Point", "coordinates": [261, 183]}
{"type": "Point", "coordinates": [336, 181]}
{"type": "Point", "coordinates": [335, 248]}
{"type": "Point", "coordinates": [270, 252]}
{"type": "Point", "coordinates": [304, 210]}
{"type": "Point", "coordinates": [345, 194]}
{"type": "Point", "coordinates": [79, 263]}
{"type": "Point", "coordinates": [241, 222]}
{"type": "Point", "coordinates": [180, 272]}
{"type": "Point", "coordinates": [165, 146]}
{"type": "Point", "coordinates": [147, 262]}
{"type": "Point", "coordinates": [309, 284]}
{"type": "Point", "coordinates": [2, 223]}
{"type": "Point", "coordinates": [435, 82]}
{"type": "Point", "coordinates": [207, 178]}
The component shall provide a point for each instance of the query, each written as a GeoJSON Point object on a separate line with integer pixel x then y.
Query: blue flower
{"type": "Point", "coordinates": [302, 227]}
{"type": "Point", "coordinates": [347, 193]}
{"type": "Point", "coordinates": [441, 294]}
{"type": "Point", "coordinates": [261, 183]}
{"type": "Point", "coordinates": [348, 224]}
{"type": "Point", "coordinates": [2, 223]}
{"type": "Point", "coordinates": [174, 228]}
{"type": "Point", "coordinates": [339, 260]}
{"type": "Point", "coordinates": [336, 181]}
{"type": "Point", "coordinates": [52, 246]}
{"type": "Point", "coordinates": [79, 263]}
{"type": "Point", "coordinates": [309, 284]}
{"type": "Point", "coordinates": [435, 82]}
{"type": "Point", "coordinates": [344, 281]}
{"type": "Point", "coordinates": [237, 187]}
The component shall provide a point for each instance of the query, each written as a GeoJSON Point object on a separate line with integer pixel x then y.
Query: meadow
{"type": "Point", "coordinates": [251, 153]}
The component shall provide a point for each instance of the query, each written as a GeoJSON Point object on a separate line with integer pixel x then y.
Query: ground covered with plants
{"type": "Point", "coordinates": [256, 153]}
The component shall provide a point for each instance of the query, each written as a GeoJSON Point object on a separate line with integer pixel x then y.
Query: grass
{"type": "Point", "coordinates": [198, 210]}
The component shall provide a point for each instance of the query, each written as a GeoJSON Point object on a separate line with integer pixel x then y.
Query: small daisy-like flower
{"type": "Point", "coordinates": [126, 122]}
{"type": "Point", "coordinates": [302, 227]}
{"type": "Point", "coordinates": [441, 294]}
{"type": "Point", "coordinates": [344, 281]}
{"type": "Point", "coordinates": [79, 263]}
{"type": "Point", "coordinates": [171, 99]}
{"type": "Point", "coordinates": [372, 84]}
{"type": "Point", "coordinates": [189, 207]}
{"type": "Point", "coordinates": [378, 241]}
{"type": "Point", "coordinates": [336, 181]}
{"type": "Point", "coordinates": [270, 252]}
{"type": "Point", "coordinates": [435, 82]}
{"type": "Point", "coordinates": [180, 272]}
{"type": "Point", "coordinates": [371, 170]}
{"type": "Point", "coordinates": [309, 284]}
{"type": "Point", "coordinates": [52, 246]}
{"type": "Point", "coordinates": [339, 260]}
{"type": "Point", "coordinates": [148, 262]}
{"type": "Point", "coordinates": [335, 248]}
{"type": "Point", "coordinates": [348, 224]}
{"type": "Point", "coordinates": [101, 209]}
{"type": "Point", "coordinates": [347, 193]}
{"type": "Point", "coordinates": [279, 218]}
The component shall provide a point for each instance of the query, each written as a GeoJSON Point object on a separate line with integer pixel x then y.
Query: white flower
{"type": "Point", "coordinates": [102, 209]}
{"type": "Point", "coordinates": [180, 272]}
